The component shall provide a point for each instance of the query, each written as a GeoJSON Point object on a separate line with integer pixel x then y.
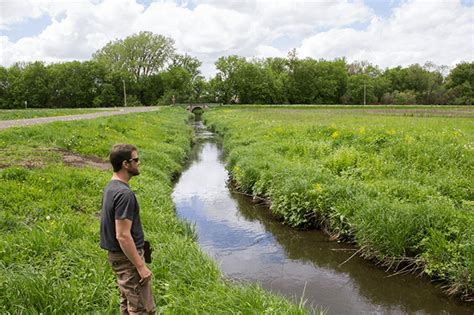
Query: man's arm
{"type": "Point", "coordinates": [124, 237]}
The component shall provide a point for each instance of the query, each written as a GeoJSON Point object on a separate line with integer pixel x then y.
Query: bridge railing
{"type": "Point", "coordinates": [203, 106]}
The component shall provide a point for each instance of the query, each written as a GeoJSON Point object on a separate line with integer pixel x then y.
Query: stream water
{"type": "Point", "coordinates": [249, 244]}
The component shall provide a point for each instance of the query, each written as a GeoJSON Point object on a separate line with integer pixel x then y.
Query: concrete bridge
{"type": "Point", "coordinates": [193, 107]}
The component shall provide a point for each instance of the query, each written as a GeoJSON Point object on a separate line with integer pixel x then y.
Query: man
{"type": "Point", "coordinates": [122, 235]}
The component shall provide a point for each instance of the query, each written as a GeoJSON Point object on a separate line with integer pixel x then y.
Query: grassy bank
{"type": "Point", "coordinates": [50, 260]}
{"type": "Point", "coordinates": [399, 187]}
{"type": "Point", "coordinates": [10, 114]}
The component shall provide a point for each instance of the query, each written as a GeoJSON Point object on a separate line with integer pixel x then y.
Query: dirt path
{"type": "Point", "coordinates": [43, 120]}
{"type": "Point", "coordinates": [465, 111]}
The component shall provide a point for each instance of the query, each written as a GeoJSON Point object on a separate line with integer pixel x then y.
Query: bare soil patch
{"type": "Point", "coordinates": [444, 112]}
{"type": "Point", "coordinates": [76, 160]}
{"type": "Point", "coordinates": [69, 158]}
{"type": "Point", "coordinates": [31, 164]}
{"type": "Point", "coordinates": [467, 111]}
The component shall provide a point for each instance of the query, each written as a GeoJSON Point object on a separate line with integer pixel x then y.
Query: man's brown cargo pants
{"type": "Point", "coordinates": [135, 298]}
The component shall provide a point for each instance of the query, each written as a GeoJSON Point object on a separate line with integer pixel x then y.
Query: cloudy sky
{"type": "Point", "coordinates": [386, 33]}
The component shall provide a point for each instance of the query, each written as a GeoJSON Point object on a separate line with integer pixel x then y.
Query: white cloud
{"type": "Point", "coordinates": [86, 27]}
{"type": "Point", "coordinates": [15, 11]}
{"type": "Point", "coordinates": [264, 51]}
{"type": "Point", "coordinates": [418, 31]}
{"type": "Point", "coordinates": [286, 17]}
{"type": "Point", "coordinates": [206, 29]}
{"type": "Point", "coordinates": [12, 12]}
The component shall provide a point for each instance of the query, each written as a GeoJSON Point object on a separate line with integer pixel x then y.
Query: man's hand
{"type": "Point", "coordinates": [145, 274]}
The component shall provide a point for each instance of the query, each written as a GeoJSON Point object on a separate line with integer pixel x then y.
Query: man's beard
{"type": "Point", "coordinates": [134, 172]}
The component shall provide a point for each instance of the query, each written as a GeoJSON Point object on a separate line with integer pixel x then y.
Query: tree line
{"type": "Point", "coordinates": [309, 81]}
{"type": "Point", "coordinates": [144, 69]}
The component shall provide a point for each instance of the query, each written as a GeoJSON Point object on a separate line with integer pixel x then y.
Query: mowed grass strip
{"type": "Point", "coordinates": [12, 114]}
{"type": "Point", "coordinates": [50, 260]}
{"type": "Point", "coordinates": [399, 187]}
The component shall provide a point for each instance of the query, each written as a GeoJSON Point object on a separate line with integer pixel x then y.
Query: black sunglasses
{"type": "Point", "coordinates": [134, 159]}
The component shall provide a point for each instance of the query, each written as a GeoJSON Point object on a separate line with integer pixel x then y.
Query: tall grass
{"type": "Point", "coordinates": [399, 187]}
{"type": "Point", "coordinates": [50, 260]}
{"type": "Point", "coordinates": [10, 114]}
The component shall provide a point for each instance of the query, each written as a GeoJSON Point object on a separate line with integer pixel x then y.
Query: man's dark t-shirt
{"type": "Point", "coordinates": [119, 202]}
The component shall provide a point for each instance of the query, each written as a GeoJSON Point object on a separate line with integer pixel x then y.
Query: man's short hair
{"type": "Point", "coordinates": [119, 153]}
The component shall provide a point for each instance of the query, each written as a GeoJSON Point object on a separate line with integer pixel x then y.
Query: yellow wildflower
{"type": "Point", "coordinates": [318, 187]}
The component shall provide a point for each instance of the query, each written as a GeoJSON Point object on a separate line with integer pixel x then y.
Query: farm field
{"type": "Point", "coordinates": [52, 178]}
{"type": "Point", "coordinates": [395, 181]}
{"type": "Point", "coordinates": [10, 114]}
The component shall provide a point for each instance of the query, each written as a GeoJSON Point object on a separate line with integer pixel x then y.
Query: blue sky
{"type": "Point", "coordinates": [29, 27]}
{"type": "Point", "coordinates": [386, 33]}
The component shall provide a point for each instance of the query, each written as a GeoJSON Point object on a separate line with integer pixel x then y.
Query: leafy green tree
{"type": "Point", "coordinates": [141, 54]}
{"type": "Point", "coordinates": [417, 80]}
{"type": "Point", "coordinates": [426, 82]}
{"type": "Point", "coordinates": [214, 89]}
{"type": "Point", "coordinates": [4, 99]}
{"type": "Point", "coordinates": [363, 73]}
{"type": "Point", "coordinates": [187, 62]}
{"type": "Point", "coordinates": [333, 78]}
{"type": "Point", "coordinates": [405, 97]}
{"type": "Point", "coordinates": [177, 82]}
{"type": "Point", "coordinates": [381, 86]}
{"type": "Point", "coordinates": [200, 92]}
{"type": "Point", "coordinates": [358, 87]}
{"type": "Point", "coordinates": [191, 65]}
{"type": "Point", "coordinates": [276, 70]}
{"type": "Point", "coordinates": [76, 84]}
{"type": "Point", "coordinates": [302, 84]}
{"type": "Point", "coordinates": [225, 83]}
{"type": "Point", "coordinates": [460, 83]}
{"type": "Point", "coordinates": [251, 84]}
{"type": "Point", "coordinates": [107, 97]}
{"type": "Point", "coordinates": [14, 85]}
{"type": "Point", "coordinates": [25, 84]}
{"type": "Point", "coordinates": [317, 82]}
{"type": "Point", "coordinates": [277, 65]}
{"type": "Point", "coordinates": [151, 89]}
{"type": "Point", "coordinates": [435, 92]}
{"type": "Point", "coordinates": [36, 84]}
{"type": "Point", "coordinates": [111, 87]}
{"type": "Point", "coordinates": [396, 77]}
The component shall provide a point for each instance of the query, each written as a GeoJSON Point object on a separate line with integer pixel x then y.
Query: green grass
{"type": "Point", "coordinates": [399, 187]}
{"type": "Point", "coordinates": [11, 114]}
{"type": "Point", "coordinates": [50, 260]}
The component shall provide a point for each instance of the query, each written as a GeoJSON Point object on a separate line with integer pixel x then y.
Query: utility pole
{"type": "Point", "coordinates": [365, 93]}
{"type": "Point", "coordinates": [124, 94]}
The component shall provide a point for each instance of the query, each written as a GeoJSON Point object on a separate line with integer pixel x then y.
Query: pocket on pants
{"type": "Point", "coordinates": [145, 295]}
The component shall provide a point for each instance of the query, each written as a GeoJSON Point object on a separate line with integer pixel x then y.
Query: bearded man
{"type": "Point", "coordinates": [121, 233]}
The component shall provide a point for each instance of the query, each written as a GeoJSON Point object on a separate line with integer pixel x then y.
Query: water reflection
{"type": "Point", "coordinates": [250, 245]}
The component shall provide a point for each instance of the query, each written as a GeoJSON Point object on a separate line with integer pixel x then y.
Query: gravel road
{"type": "Point", "coordinates": [43, 120]}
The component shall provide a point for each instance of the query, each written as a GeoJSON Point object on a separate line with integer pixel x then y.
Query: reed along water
{"type": "Point", "coordinates": [250, 245]}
